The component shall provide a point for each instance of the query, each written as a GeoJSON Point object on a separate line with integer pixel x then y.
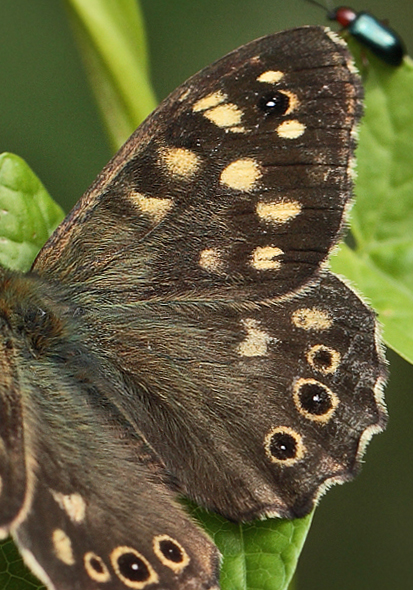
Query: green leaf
{"type": "Point", "coordinates": [381, 265]}
{"type": "Point", "coordinates": [28, 215]}
{"type": "Point", "coordinates": [14, 575]}
{"type": "Point", "coordinates": [261, 555]}
{"type": "Point", "coordinates": [112, 43]}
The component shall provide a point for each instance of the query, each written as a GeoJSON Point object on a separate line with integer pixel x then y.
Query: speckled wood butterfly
{"type": "Point", "coordinates": [181, 334]}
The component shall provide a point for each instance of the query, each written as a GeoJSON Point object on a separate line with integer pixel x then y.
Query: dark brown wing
{"type": "Point", "coordinates": [234, 187]}
{"type": "Point", "coordinates": [83, 495]}
{"type": "Point", "coordinates": [219, 390]}
{"type": "Point", "coordinates": [188, 261]}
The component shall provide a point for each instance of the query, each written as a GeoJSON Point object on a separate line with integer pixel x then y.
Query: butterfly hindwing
{"type": "Point", "coordinates": [94, 509]}
{"type": "Point", "coordinates": [12, 454]}
{"type": "Point", "coordinates": [221, 378]}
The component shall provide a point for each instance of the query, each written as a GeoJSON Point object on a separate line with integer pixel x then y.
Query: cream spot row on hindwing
{"type": "Point", "coordinates": [313, 399]}
{"type": "Point", "coordinates": [266, 258]}
{"type": "Point", "coordinates": [312, 319]}
{"type": "Point", "coordinates": [131, 567]}
{"type": "Point", "coordinates": [210, 259]}
{"type": "Point", "coordinates": [290, 129]}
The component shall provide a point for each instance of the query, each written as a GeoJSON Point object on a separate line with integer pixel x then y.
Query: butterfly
{"type": "Point", "coordinates": [181, 334]}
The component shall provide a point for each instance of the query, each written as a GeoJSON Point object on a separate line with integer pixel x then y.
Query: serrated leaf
{"type": "Point", "coordinates": [112, 43]}
{"type": "Point", "coordinates": [28, 215]}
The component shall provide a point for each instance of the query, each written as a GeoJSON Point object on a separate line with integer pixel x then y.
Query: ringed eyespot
{"type": "Point", "coordinates": [96, 567]}
{"type": "Point", "coordinates": [284, 446]}
{"type": "Point", "coordinates": [314, 400]}
{"type": "Point", "coordinates": [170, 552]}
{"type": "Point", "coordinates": [274, 103]}
{"type": "Point", "coordinates": [132, 568]}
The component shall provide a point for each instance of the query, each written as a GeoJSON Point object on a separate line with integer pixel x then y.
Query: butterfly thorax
{"type": "Point", "coordinates": [33, 314]}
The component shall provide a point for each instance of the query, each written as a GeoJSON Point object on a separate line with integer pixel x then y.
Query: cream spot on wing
{"type": "Point", "coordinates": [224, 115]}
{"type": "Point", "coordinates": [180, 161]}
{"type": "Point", "coordinates": [210, 101]}
{"type": "Point", "coordinates": [62, 546]}
{"type": "Point", "coordinates": [291, 129]}
{"type": "Point", "coordinates": [184, 94]}
{"type": "Point", "coordinates": [156, 208]}
{"type": "Point", "coordinates": [270, 76]}
{"type": "Point", "coordinates": [241, 174]}
{"type": "Point", "coordinates": [210, 259]}
{"type": "Point", "coordinates": [148, 575]}
{"type": "Point", "coordinates": [238, 129]}
{"type": "Point", "coordinates": [96, 567]}
{"type": "Point", "coordinates": [312, 319]}
{"type": "Point", "coordinates": [323, 359]}
{"type": "Point", "coordinates": [73, 504]}
{"type": "Point", "coordinates": [170, 553]}
{"type": "Point", "coordinates": [278, 212]}
{"type": "Point", "coordinates": [265, 258]}
{"type": "Point", "coordinates": [256, 341]}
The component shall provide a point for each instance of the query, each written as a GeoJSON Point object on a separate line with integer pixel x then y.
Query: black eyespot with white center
{"type": "Point", "coordinates": [284, 446]}
{"type": "Point", "coordinates": [274, 103]}
{"type": "Point", "coordinates": [170, 552]}
{"type": "Point", "coordinates": [132, 568]}
{"type": "Point", "coordinates": [314, 400]}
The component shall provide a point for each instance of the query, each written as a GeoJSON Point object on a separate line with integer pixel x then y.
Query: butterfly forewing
{"type": "Point", "coordinates": [235, 187]}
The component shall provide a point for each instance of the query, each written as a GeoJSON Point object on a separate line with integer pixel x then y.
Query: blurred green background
{"type": "Point", "coordinates": [362, 536]}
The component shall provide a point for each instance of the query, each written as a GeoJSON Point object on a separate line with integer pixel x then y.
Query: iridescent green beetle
{"type": "Point", "coordinates": [383, 41]}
